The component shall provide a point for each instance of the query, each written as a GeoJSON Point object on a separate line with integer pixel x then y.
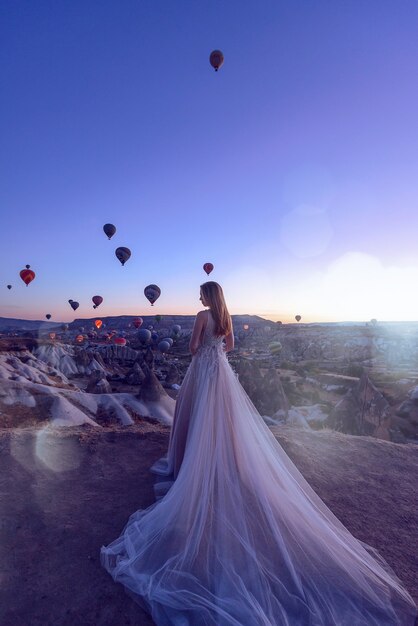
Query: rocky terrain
{"type": "Point", "coordinates": [354, 379]}
{"type": "Point", "coordinates": [81, 422]}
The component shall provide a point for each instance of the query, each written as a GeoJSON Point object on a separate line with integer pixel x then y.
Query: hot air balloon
{"type": "Point", "coordinates": [119, 341]}
{"type": "Point", "coordinates": [81, 329]}
{"type": "Point", "coordinates": [9, 286]}
{"type": "Point", "coordinates": [52, 336]}
{"type": "Point", "coordinates": [144, 335]}
{"type": "Point", "coordinates": [74, 305]}
{"type": "Point", "coordinates": [164, 346]}
{"type": "Point", "coordinates": [152, 293]}
{"type": "Point", "coordinates": [97, 300]}
{"type": "Point", "coordinates": [98, 324]}
{"type": "Point", "coordinates": [64, 327]}
{"type": "Point", "coordinates": [154, 337]}
{"type": "Point", "coordinates": [123, 254]}
{"type": "Point", "coordinates": [208, 267]}
{"type": "Point", "coordinates": [79, 339]}
{"type": "Point", "coordinates": [279, 323]}
{"type": "Point", "coordinates": [158, 318]}
{"type": "Point", "coordinates": [176, 329]}
{"type": "Point", "coordinates": [275, 347]}
{"type": "Point", "coordinates": [298, 318]}
{"type": "Point", "coordinates": [216, 59]}
{"type": "Point", "coordinates": [48, 316]}
{"type": "Point", "coordinates": [109, 230]}
{"type": "Point", "coordinates": [246, 326]}
{"type": "Point", "coordinates": [138, 322]}
{"type": "Point", "coordinates": [169, 339]}
{"type": "Point", "coordinates": [27, 275]}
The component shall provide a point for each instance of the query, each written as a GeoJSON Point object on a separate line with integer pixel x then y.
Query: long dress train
{"type": "Point", "coordinates": [240, 538]}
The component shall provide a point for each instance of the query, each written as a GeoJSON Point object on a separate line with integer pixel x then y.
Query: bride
{"type": "Point", "coordinates": [240, 538]}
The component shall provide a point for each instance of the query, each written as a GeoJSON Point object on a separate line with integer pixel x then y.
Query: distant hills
{"type": "Point", "coordinates": [120, 322]}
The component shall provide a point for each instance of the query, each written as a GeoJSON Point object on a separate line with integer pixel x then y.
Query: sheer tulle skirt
{"type": "Point", "coordinates": [241, 538]}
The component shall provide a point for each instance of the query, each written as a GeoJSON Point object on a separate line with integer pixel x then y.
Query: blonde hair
{"type": "Point", "coordinates": [214, 296]}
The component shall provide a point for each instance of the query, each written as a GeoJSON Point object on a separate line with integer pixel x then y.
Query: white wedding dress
{"type": "Point", "coordinates": [240, 538]}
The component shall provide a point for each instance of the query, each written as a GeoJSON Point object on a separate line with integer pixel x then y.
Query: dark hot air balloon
{"type": "Point", "coordinates": [123, 254]}
{"type": "Point", "coordinates": [298, 318]}
{"type": "Point", "coordinates": [27, 275]}
{"type": "Point", "coordinates": [9, 286]}
{"type": "Point", "coordinates": [97, 300]}
{"type": "Point", "coordinates": [216, 59]}
{"type": "Point", "coordinates": [48, 316]}
{"type": "Point", "coordinates": [144, 335]}
{"type": "Point", "coordinates": [64, 327]}
{"type": "Point", "coordinates": [208, 267]}
{"type": "Point", "coordinates": [74, 305]}
{"type": "Point", "coordinates": [158, 318]}
{"type": "Point", "coordinates": [109, 230]}
{"type": "Point", "coordinates": [176, 329]}
{"type": "Point", "coordinates": [152, 293]}
{"type": "Point", "coordinates": [164, 346]}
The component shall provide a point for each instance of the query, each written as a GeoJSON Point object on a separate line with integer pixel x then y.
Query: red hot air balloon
{"type": "Point", "coordinates": [208, 267]}
{"type": "Point", "coordinates": [79, 339]}
{"type": "Point", "coordinates": [109, 230]}
{"type": "Point", "coordinates": [98, 324]}
{"type": "Point", "coordinates": [97, 300]}
{"type": "Point", "coordinates": [119, 341]}
{"type": "Point", "coordinates": [138, 322]}
{"type": "Point", "coordinates": [216, 59]}
{"type": "Point", "coordinates": [52, 336]}
{"type": "Point", "coordinates": [27, 275]}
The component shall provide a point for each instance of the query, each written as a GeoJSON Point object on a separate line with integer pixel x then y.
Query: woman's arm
{"type": "Point", "coordinates": [229, 341]}
{"type": "Point", "coordinates": [199, 324]}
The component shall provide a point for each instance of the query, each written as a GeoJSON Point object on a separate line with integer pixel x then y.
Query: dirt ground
{"type": "Point", "coordinates": [67, 492]}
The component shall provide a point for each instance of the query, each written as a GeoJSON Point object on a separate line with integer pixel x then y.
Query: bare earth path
{"type": "Point", "coordinates": [65, 493]}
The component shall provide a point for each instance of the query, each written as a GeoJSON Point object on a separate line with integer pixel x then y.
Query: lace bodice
{"type": "Point", "coordinates": [209, 338]}
{"type": "Point", "coordinates": [211, 347]}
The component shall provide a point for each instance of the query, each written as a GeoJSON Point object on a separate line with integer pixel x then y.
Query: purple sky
{"type": "Point", "coordinates": [294, 169]}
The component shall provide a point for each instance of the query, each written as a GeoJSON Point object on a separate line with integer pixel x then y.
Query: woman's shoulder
{"type": "Point", "coordinates": [204, 313]}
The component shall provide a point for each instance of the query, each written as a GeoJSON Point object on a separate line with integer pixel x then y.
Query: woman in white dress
{"type": "Point", "coordinates": [240, 538]}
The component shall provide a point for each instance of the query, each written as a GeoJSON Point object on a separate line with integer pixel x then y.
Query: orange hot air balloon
{"type": "Point", "coordinates": [216, 59]}
{"type": "Point", "coordinates": [27, 275]}
{"type": "Point", "coordinates": [208, 267]}
{"type": "Point", "coordinates": [79, 339]}
{"type": "Point", "coordinates": [98, 324]}
{"type": "Point", "coordinates": [52, 336]}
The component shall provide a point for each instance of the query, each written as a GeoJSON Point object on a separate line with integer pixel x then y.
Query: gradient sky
{"type": "Point", "coordinates": [294, 169]}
